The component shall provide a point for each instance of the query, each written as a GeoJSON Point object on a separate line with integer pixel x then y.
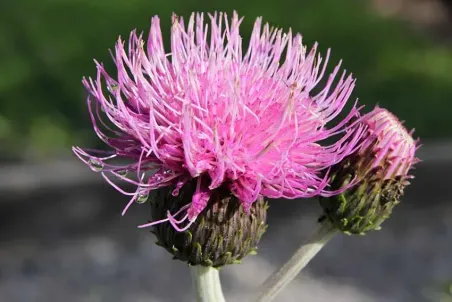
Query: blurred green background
{"type": "Point", "coordinates": [48, 45]}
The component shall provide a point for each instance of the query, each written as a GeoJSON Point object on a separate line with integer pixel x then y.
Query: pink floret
{"type": "Point", "coordinates": [247, 119]}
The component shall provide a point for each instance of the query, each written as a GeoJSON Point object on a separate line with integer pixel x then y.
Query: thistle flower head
{"type": "Point", "coordinates": [212, 112]}
{"type": "Point", "coordinates": [380, 168]}
{"type": "Point", "coordinates": [222, 234]}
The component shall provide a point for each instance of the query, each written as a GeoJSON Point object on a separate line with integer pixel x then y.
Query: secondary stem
{"type": "Point", "coordinates": [279, 279]}
{"type": "Point", "coordinates": [206, 281]}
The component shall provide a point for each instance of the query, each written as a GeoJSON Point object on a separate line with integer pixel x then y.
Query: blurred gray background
{"type": "Point", "coordinates": [61, 234]}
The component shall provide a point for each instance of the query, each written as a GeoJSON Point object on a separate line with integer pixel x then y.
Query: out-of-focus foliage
{"type": "Point", "coordinates": [440, 293]}
{"type": "Point", "coordinates": [48, 45]}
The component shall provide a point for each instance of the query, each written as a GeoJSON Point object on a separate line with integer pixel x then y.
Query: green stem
{"type": "Point", "coordinates": [206, 281]}
{"type": "Point", "coordinates": [281, 278]}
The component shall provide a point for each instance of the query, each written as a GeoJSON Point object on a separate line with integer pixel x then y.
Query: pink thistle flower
{"type": "Point", "coordinates": [222, 115]}
{"type": "Point", "coordinates": [379, 168]}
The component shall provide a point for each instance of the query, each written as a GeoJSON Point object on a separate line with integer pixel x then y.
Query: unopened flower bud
{"type": "Point", "coordinates": [377, 174]}
{"type": "Point", "coordinates": [223, 232]}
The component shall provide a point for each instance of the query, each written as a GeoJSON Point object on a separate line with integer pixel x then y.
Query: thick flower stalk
{"type": "Point", "coordinates": [212, 112]}
{"type": "Point", "coordinates": [380, 167]}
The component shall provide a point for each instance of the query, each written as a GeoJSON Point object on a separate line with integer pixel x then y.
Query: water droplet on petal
{"type": "Point", "coordinates": [142, 197]}
{"type": "Point", "coordinates": [122, 173]}
{"type": "Point", "coordinates": [113, 87]}
{"type": "Point", "coordinates": [176, 190]}
{"type": "Point", "coordinates": [95, 164]}
{"type": "Point", "coordinates": [157, 177]}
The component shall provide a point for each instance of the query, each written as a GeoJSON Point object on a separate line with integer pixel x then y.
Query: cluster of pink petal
{"type": "Point", "coordinates": [210, 110]}
{"type": "Point", "coordinates": [390, 141]}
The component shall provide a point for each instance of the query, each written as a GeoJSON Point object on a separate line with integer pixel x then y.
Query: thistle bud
{"type": "Point", "coordinates": [374, 176]}
{"type": "Point", "coordinates": [223, 232]}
